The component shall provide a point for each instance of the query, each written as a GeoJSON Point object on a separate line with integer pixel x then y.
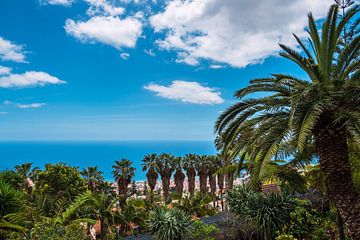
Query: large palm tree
{"type": "Point", "coordinates": [165, 168]}
{"type": "Point", "coordinates": [123, 173]}
{"type": "Point", "coordinates": [202, 168]}
{"type": "Point", "coordinates": [93, 177]}
{"type": "Point", "coordinates": [149, 165]}
{"type": "Point", "coordinates": [179, 176]}
{"type": "Point", "coordinates": [324, 108]}
{"type": "Point", "coordinates": [189, 163]}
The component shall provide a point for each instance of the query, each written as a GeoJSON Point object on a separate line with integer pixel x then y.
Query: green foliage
{"type": "Point", "coordinates": [198, 205]}
{"type": "Point", "coordinates": [45, 231]}
{"type": "Point", "coordinates": [12, 177]}
{"type": "Point", "coordinates": [59, 182]}
{"type": "Point", "coordinates": [10, 199]}
{"type": "Point", "coordinates": [269, 212]}
{"type": "Point", "coordinates": [285, 237]}
{"type": "Point", "coordinates": [303, 220]}
{"type": "Point", "coordinates": [173, 224]}
{"type": "Point", "coordinates": [204, 231]}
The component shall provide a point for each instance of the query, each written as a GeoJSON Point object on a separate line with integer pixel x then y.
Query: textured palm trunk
{"type": "Point", "coordinates": [165, 180]}
{"type": "Point", "coordinates": [102, 229]}
{"type": "Point", "coordinates": [191, 174]}
{"type": "Point", "coordinates": [179, 182]}
{"type": "Point", "coordinates": [212, 183]}
{"type": "Point", "coordinates": [123, 190]}
{"type": "Point", "coordinates": [229, 180]}
{"type": "Point", "coordinates": [220, 180]}
{"type": "Point", "coordinates": [203, 179]}
{"type": "Point", "coordinates": [332, 148]}
{"type": "Point", "coordinates": [151, 176]}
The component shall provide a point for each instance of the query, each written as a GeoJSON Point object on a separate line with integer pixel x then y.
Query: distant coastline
{"type": "Point", "coordinates": [94, 153]}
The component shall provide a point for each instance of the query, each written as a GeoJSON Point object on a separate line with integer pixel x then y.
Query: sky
{"type": "Point", "coordinates": [136, 69]}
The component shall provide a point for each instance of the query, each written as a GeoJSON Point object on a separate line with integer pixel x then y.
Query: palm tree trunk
{"type": "Point", "coordinates": [212, 183]}
{"type": "Point", "coordinates": [332, 148]}
{"type": "Point", "coordinates": [229, 180]}
{"type": "Point", "coordinates": [102, 229]}
{"type": "Point", "coordinates": [165, 179]}
{"type": "Point", "coordinates": [191, 174]}
{"type": "Point", "coordinates": [179, 182]}
{"type": "Point", "coordinates": [203, 181]}
{"type": "Point", "coordinates": [220, 180]}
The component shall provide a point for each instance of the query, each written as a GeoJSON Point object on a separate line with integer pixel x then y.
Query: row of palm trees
{"type": "Point", "coordinates": [206, 167]}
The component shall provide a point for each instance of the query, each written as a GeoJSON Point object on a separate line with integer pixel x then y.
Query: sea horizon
{"type": "Point", "coordinates": [101, 153]}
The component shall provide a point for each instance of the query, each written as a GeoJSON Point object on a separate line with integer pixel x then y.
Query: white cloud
{"type": "Point", "coordinates": [30, 105]}
{"type": "Point", "coordinates": [109, 30]}
{"type": "Point", "coordinates": [234, 32]}
{"type": "Point", "coordinates": [216, 66]}
{"type": "Point", "coordinates": [24, 106]}
{"type": "Point", "coordinates": [103, 7]}
{"type": "Point", "coordinates": [58, 2]}
{"type": "Point", "coordinates": [4, 70]}
{"type": "Point", "coordinates": [28, 79]}
{"type": "Point", "coordinates": [150, 52]}
{"type": "Point", "coordinates": [125, 56]}
{"type": "Point", "coordinates": [188, 92]}
{"type": "Point", "coordinates": [10, 51]}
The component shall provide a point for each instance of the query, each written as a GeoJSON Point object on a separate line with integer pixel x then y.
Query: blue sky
{"type": "Point", "coordinates": [135, 70]}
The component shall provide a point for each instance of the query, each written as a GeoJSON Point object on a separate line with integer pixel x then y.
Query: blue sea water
{"type": "Point", "coordinates": [91, 153]}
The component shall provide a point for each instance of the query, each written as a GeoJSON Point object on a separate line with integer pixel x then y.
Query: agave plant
{"type": "Point", "coordinates": [173, 224]}
{"type": "Point", "coordinates": [268, 212]}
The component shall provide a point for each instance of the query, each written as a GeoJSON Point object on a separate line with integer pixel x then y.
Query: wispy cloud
{"type": "Point", "coordinates": [30, 105]}
{"type": "Point", "coordinates": [187, 92]}
{"type": "Point", "coordinates": [57, 2]}
{"type": "Point", "coordinates": [24, 106]}
{"type": "Point", "coordinates": [28, 79]}
{"type": "Point", "coordinates": [125, 56]}
{"type": "Point", "coordinates": [4, 70]}
{"type": "Point", "coordinates": [10, 51]}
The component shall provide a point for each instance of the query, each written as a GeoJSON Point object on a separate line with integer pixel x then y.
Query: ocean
{"type": "Point", "coordinates": [95, 153]}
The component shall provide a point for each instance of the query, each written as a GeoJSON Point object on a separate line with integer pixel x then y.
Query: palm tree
{"type": "Point", "coordinates": [101, 206]}
{"type": "Point", "coordinates": [189, 163]}
{"type": "Point", "coordinates": [202, 168]}
{"type": "Point", "coordinates": [323, 109]}
{"type": "Point", "coordinates": [179, 176]}
{"type": "Point", "coordinates": [123, 173]}
{"type": "Point", "coordinates": [93, 176]}
{"type": "Point", "coordinates": [212, 174]}
{"type": "Point", "coordinates": [165, 168]}
{"type": "Point", "coordinates": [149, 165]}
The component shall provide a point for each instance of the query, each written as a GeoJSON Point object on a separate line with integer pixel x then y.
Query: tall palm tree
{"type": "Point", "coordinates": [149, 165]}
{"type": "Point", "coordinates": [179, 176]}
{"type": "Point", "coordinates": [324, 108]}
{"type": "Point", "coordinates": [202, 168]}
{"type": "Point", "coordinates": [93, 177]}
{"type": "Point", "coordinates": [165, 168]}
{"type": "Point", "coordinates": [212, 174]}
{"type": "Point", "coordinates": [123, 173]}
{"type": "Point", "coordinates": [189, 163]}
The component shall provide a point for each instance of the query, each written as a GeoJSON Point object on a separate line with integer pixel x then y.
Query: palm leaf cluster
{"type": "Point", "coordinates": [282, 122]}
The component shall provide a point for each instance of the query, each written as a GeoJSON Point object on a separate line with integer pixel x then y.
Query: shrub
{"type": "Point", "coordinates": [268, 212]}
{"type": "Point", "coordinates": [204, 231]}
{"type": "Point", "coordinates": [169, 224]}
